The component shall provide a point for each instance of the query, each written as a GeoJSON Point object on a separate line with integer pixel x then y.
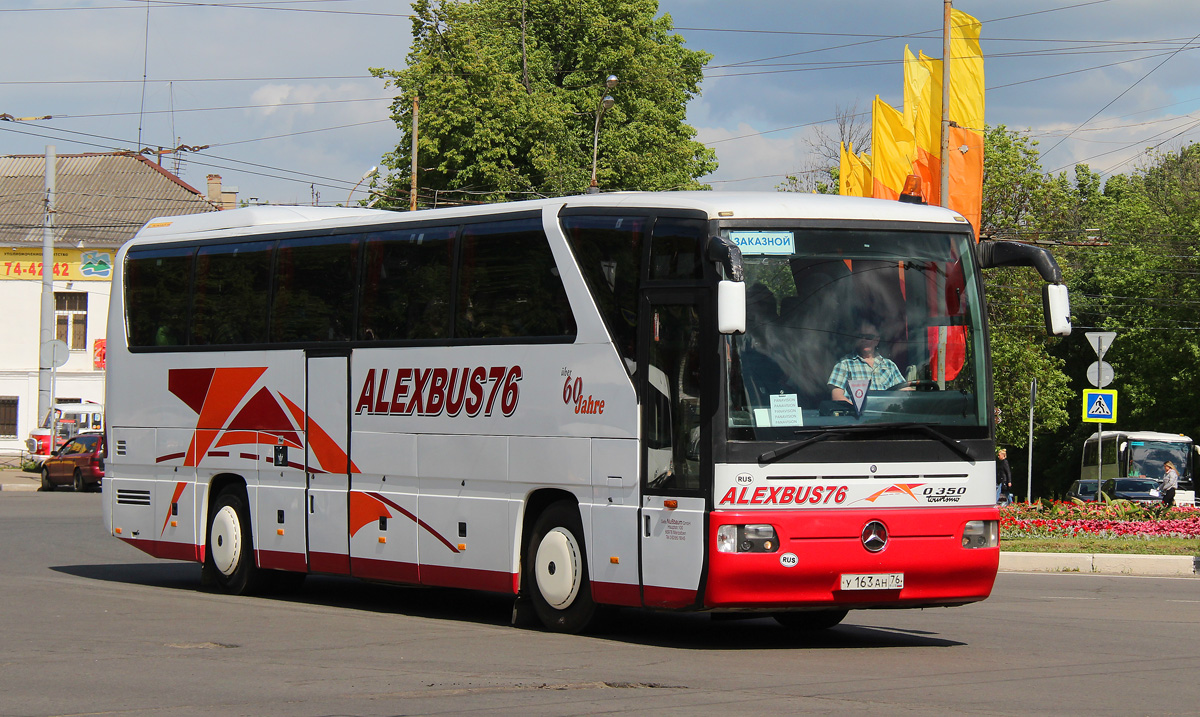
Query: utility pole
{"type": "Point", "coordinates": [412, 192]}
{"type": "Point", "coordinates": [46, 324]}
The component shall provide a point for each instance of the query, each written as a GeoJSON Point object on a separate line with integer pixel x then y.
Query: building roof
{"type": "Point", "coordinates": [100, 199]}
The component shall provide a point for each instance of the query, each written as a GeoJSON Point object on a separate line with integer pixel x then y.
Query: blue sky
{"type": "Point", "coordinates": [279, 89]}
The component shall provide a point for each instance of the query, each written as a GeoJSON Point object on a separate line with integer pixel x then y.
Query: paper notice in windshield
{"type": "Point", "coordinates": [785, 411]}
{"type": "Point", "coordinates": [764, 242]}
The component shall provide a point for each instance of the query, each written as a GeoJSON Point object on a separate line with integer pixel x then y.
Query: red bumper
{"type": "Point", "coordinates": [925, 545]}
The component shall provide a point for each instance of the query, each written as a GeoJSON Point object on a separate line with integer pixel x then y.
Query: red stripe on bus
{"type": "Point", "coordinates": [472, 578]}
{"type": "Point", "coordinates": [168, 550]}
{"type": "Point", "coordinates": [655, 596]}
{"type": "Point", "coordinates": [280, 560]}
{"type": "Point", "coordinates": [617, 594]}
{"type": "Point", "coordinates": [333, 563]}
{"type": "Point", "coordinates": [388, 570]}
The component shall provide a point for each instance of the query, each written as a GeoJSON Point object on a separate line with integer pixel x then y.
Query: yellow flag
{"type": "Point", "coordinates": [844, 171]}
{"type": "Point", "coordinates": [966, 71]}
{"type": "Point", "coordinates": [893, 149]}
{"type": "Point", "coordinates": [859, 180]}
{"type": "Point", "coordinates": [918, 109]}
{"type": "Point", "coordinates": [865, 182]}
{"type": "Point", "coordinates": [923, 119]}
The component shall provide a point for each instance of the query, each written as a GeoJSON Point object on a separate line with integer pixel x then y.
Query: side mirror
{"type": "Point", "coordinates": [1057, 308]}
{"type": "Point", "coordinates": [731, 307]}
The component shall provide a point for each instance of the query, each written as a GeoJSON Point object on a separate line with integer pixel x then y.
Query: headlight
{"type": "Point", "coordinates": [747, 539]}
{"type": "Point", "coordinates": [981, 534]}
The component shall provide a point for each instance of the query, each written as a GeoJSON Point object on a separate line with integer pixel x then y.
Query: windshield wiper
{"type": "Point", "coordinates": [840, 432]}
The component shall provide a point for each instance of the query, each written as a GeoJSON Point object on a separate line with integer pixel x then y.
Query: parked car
{"type": "Point", "coordinates": [61, 423]}
{"type": "Point", "coordinates": [1139, 490]}
{"type": "Point", "coordinates": [1083, 490]}
{"type": "Point", "coordinates": [80, 462]}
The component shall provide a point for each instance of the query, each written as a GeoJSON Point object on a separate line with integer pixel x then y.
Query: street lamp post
{"type": "Point", "coordinates": [606, 103]}
{"type": "Point", "coordinates": [366, 175]}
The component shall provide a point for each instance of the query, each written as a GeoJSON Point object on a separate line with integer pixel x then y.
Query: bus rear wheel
{"type": "Point", "coordinates": [229, 553]}
{"type": "Point", "coordinates": [556, 572]}
{"type": "Point", "coordinates": [810, 621]}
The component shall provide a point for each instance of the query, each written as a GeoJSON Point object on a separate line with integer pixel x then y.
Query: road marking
{"type": "Point", "coordinates": [1064, 597]}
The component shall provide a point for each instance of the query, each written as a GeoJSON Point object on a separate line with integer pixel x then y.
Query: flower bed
{"type": "Point", "coordinates": [1116, 519]}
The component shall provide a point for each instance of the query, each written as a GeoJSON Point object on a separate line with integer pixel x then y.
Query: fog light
{"type": "Point", "coordinates": [727, 539]}
{"type": "Point", "coordinates": [747, 539]}
{"type": "Point", "coordinates": [981, 534]}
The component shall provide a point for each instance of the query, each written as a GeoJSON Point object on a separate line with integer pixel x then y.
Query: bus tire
{"type": "Point", "coordinates": [556, 572]}
{"type": "Point", "coordinates": [229, 550]}
{"type": "Point", "coordinates": [810, 621]}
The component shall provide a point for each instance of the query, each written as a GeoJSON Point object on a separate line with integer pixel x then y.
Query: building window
{"type": "Point", "coordinates": [8, 416]}
{"type": "Point", "coordinates": [70, 313]}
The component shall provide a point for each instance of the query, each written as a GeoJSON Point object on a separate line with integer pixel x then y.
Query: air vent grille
{"type": "Point", "coordinates": [133, 497]}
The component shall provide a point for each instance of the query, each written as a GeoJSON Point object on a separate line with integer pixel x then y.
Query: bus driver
{"type": "Point", "coordinates": [864, 362]}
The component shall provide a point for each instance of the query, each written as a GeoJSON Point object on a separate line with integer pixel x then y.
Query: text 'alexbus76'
{"type": "Point", "coordinates": [438, 391]}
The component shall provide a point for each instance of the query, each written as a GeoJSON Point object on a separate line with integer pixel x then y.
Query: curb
{"type": "Point", "coordinates": [18, 487]}
{"type": "Point", "coordinates": [1100, 564]}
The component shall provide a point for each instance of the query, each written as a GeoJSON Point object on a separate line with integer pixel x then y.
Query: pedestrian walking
{"type": "Point", "coordinates": [1003, 476]}
{"type": "Point", "coordinates": [1170, 483]}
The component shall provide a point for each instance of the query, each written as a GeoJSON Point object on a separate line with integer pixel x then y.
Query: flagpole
{"type": "Point", "coordinates": [945, 153]}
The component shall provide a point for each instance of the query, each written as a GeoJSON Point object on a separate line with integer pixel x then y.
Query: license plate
{"type": "Point", "coordinates": [873, 581]}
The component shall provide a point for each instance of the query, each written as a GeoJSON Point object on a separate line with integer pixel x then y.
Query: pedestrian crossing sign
{"type": "Point", "coordinates": [1100, 406]}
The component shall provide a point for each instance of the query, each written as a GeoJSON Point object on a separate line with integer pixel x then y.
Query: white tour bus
{"type": "Point", "coordinates": [1140, 454]}
{"type": "Point", "coordinates": [618, 399]}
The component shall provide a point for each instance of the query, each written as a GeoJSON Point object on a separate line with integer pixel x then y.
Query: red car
{"type": "Point", "coordinates": [80, 462]}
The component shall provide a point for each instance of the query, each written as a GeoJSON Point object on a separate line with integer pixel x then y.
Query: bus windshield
{"type": "Point", "coordinates": [854, 326]}
{"type": "Point", "coordinates": [1146, 458]}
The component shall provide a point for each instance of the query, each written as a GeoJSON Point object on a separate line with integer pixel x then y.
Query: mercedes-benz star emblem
{"type": "Point", "coordinates": [874, 536]}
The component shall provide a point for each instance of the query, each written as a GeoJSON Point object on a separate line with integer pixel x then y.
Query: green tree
{"type": "Point", "coordinates": [509, 93]}
{"type": "Point", "coordinates": [1016, 195]}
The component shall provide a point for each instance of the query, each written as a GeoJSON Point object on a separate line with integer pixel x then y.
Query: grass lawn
{"type": "Point", "coordinates": [1085, 544]}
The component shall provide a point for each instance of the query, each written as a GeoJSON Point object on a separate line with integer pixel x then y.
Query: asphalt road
{"type": "Point", "coordinates": [91, 626]}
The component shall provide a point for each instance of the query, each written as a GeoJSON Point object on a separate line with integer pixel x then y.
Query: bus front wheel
{"type": "Point", "coordinates": [229, 554]}
{"type": "Point", "coordinates": [556, 573]}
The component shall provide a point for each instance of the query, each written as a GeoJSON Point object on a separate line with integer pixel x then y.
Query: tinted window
{"type": "Point", "coordinates": [406, 285]}
{"type": "Point", "coordinates": [156, 296]}
{"type": "Point", "coordinates": [509, 285]}
{"type": "Point", "coordinates": [675, 248]}
{"type": "Point", "coordinates": [609, 252]}
{"type": "Point", "coordinates": [315, 280]}
{"type": "Point", "coordinates": [232, 282]}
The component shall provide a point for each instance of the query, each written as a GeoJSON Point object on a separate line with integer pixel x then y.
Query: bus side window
{"type": "Point", "coordinates": [406, 285]}
{"type": "Point", "coordinates": [230, 302]}
{"type": "Point", "coordinates": [509, 285]}
{"type": "Point", "coordinates": [609, 251]}
{"type": "Point", "coordinates": [156, 296]}
{"type": "Point", "coordinates": [675, 248]}
{"type": "Point", "coordinates": [314, 289]}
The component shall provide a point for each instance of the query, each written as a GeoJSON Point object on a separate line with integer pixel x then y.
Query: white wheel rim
{"type": "Point", "coordinates": [557, 567]}
{"type": "Point", "coordinates": [225, 540]}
